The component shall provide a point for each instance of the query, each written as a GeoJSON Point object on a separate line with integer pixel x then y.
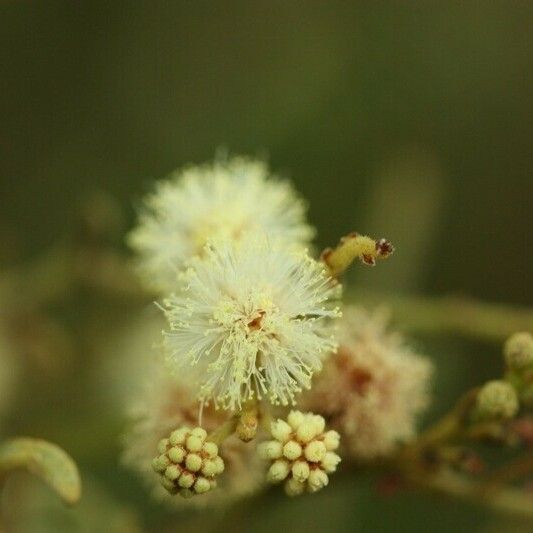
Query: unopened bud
{"type": "Point", "coordinates": [497, 399]}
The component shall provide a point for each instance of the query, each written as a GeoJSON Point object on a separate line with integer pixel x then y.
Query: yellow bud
{"type": "Point", "coordinates": [193, 462]}
{"type": "Point", "coordinates": [271, 449]}
{"type": "Point", "coordinates": [176, 454]}
{"type": "Point", "coordinates": [186, 480]}
{"type": "Point", "coordinates": [194, 443]}
{"type": "Point", "coordinates": [317, 480]}
{"type": "Point", "coordinates": [292, 450]}
{"type": "Point", "coordinates": [278, 471]}
{"type": "Point", "coordinates": [319, 423]}
{"type": "Point", "coordinates": [330, 462]}
{"type": "Point", "coordinates": [202, 485]}
{"type": "Point", "coordinates": [168, 484]}
{"type": "Point", "coordinates": [209, 468]}
{"type": "Point", "coordinates": [211, 449]}
{"type": "Point", "coordinates": [161, 462]}
{"type": "Point", "coordinates": [300, 470]}
{"type": "Point", "coordinates": [201, 433]}
{"type": "Point", "coordinates": [172, 472]}
{"type": "Point", "coordinates": [281, 430]}
{"type": "Point", "coordinates": [315, 451]}
{"type": "Point", "coordinates": [219, 464]}
{"type": "Point", "coordinates": [293, 487]}
{"type": "Point", "coordinates": [295, 418]}
{"type": "Point", "coordinates": [306, 432]}
{"type": "Point", "coordinates": [162, 445]}
{"type": "Point", "coordinates": [332, 440]}
{"type": "Point", "coordinates": [178, 436]}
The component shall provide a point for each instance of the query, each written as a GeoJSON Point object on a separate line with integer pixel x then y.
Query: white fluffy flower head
{"type": "Point", "coordinates": [224, 199]}
{"type": "Point", "coordinates": [374, 388]}
{"type": "Point", "coordinates": [251, 319]}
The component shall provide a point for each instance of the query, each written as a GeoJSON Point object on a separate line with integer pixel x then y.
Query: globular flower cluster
{"type": "Point", "coordinates": [251, 320]}
{"type": "Point", "coordinates": [224, 199]}
{"type": "Point", "coordinates": [302, 453]}
{"type": "Point", "coordinates": [187, 463]}
{"type": "Point", "coordinates": [373, 388]}
{"type": "Point", "coordinates": [166, 403]}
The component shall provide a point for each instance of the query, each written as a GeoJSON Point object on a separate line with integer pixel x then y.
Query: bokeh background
{"type": "Point", "coordinates": [411, 120]}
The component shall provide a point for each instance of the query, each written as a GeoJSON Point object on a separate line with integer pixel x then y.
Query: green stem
{"type": "Point", "coordinates": [452, 315]}
{"type": "Point", "coordinates": [224, 431]}
{"type": "Point", "coordinates": [509, 500]}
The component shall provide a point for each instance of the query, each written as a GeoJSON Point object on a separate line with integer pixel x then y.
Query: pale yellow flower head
{"type": "Point", "coordinates": [250, 319]}
{"type": "Point", "coordinates": [225, 198]}
{"type": "Point", "coordinates": [373, 389]}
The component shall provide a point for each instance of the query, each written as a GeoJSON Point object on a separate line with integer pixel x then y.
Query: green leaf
{"type": "Point", "coordinates": [45, 460]}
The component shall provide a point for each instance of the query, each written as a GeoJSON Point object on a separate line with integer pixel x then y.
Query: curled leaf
{"type": "Point", "coordinates": [45, 460]}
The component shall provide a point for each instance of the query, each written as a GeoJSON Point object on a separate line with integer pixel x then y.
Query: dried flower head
{"type": "Point", "coordinates": [251, 319]}
{"type": "Point", "coordinates": [187, 463]}
{"type": "Point", "coordinates": [373, 388]}
{"type": "Point", "coordinates": [221, 199]}
{"type": "Point", "coordinates": [166, 405]}
{"type": "Point", "coordinates": [302, 453]}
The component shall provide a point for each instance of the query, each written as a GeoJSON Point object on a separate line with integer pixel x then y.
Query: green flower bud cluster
{"type": "Point", "coordinates": [187, 463]}
{"type": "Point", "coordinates": [302, 453]}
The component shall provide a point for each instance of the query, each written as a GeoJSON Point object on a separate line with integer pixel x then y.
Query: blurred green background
{"type": "Point", "coordinates": [411, 120]}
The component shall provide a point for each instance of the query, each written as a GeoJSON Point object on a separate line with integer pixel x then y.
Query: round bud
{"type": "Point", "coordinates": [292, 450]}
{"type": "Point", "coordinates": [219, 464]}
{"type": "Point", "coordinates": [271, 449]}
{"type": "Point", "coordinates": [210, 449]}
{"type": "Point", "coordinates": [332, 440]}
{"type": "Point", "coordinates": [497, 399]}
{"type": "Point", "coordinates": [155, 465]}
{"type": "Point", "coordinates": [518, 351]}
{"type": "Point", "coordinates": [300, 470]}
{"type": "Point", "coordinates": [178, 436]}
{"type": "Point", "coordinates": [293, 487]}
{"type": "Point", "coordinates": [330, 462]}
{"type": "Point", "coordinates": [278, 471]}
{"type": "Point", "coordinates": [306, 431]}
{"type": "Point", "coordinates": [199, 432]}
{"type": "Point", "coordinates": [162, 445]}
{"type": "Point", "coordinates": [186, 480]}
{"type": "Point", "coordinates": [194, 443]}
{"type": "Point", "coordinates": [168, 484]}
{"type": "Point", "coordinates": [281, 430]}
{"type": "Point", "coordinates": [172, 472]}
{"type": "Point", "coordinates": [176, 454]}
{"type": "Point", "coordinates": [295, 418]}
{"type": "Point", "coordinates": [319, 423]}
{"type": "Point", "coordinates": [209, 468]}
{"type": "Point", "coordinates": [315, 451]}
{"type": "Point", "coordinates": [162, 462]}
{"type": "Point", "coordinates": [193, 462]}
{"type": "Point", "coordinates": [202, 485]}
{"type": "Point", "coordinates": [318, 479]}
